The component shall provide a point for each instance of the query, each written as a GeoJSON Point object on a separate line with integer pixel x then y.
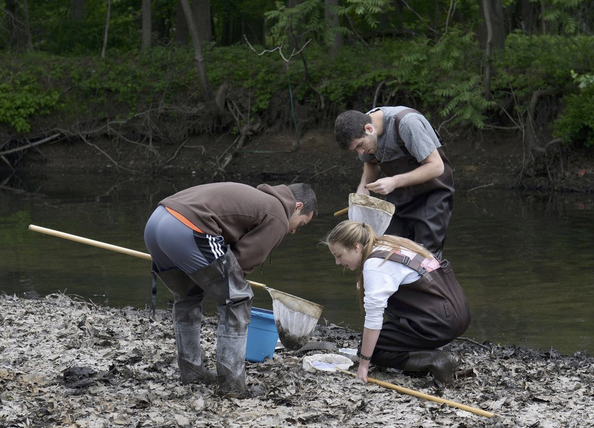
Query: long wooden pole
{"type": "Point", "coordinates": [87, 241]}
{"type": "Point", "coordinates": [147, 256]}
{"type": "Point", "coordinates": [105, 246]}
{"type": "Point", "coordinates": [424, 396]}
{"type": "Point", "coordinates": [293, 310]}
{"type": "Point", "coordinates": [341, 212]}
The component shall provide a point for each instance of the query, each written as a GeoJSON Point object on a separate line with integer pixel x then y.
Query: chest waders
{"type": "Point", "coordinates": [423, 211]}
{"type": "Point", "coordinates": [223, 280]}
{"type": "Point", "coordinates": [420, 317]}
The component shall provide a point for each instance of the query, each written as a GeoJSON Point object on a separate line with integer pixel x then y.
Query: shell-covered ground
{"type": "Point", "coordinates": [65, 362]}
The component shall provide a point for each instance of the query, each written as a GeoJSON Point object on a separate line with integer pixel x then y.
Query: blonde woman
{"type": "Point", "coordinates": [412, 301]}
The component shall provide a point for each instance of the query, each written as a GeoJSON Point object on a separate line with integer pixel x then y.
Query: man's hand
{"type": "Point", "coordinates": [383, 186]}
{"type": "Point", "coordinates": [371, 172]}
{"type": "Point", "coordinates": [431, 167]}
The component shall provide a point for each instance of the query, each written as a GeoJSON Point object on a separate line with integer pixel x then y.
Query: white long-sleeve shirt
{"type": "Point", "coordinates": [382, 279]}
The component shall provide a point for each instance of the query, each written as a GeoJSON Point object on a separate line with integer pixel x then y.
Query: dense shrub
{"type": "Point", "coordinates": [576, 124]}
{"type": "Point", "coordinates": [443, 76]}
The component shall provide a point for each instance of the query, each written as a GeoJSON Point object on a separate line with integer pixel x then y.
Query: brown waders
{"type": "Point", "coordinates": [223, 280]}
{"type": "Point", "coordinates": [423, 211]}
{"type": "Point", "coordinates": [420, 317]}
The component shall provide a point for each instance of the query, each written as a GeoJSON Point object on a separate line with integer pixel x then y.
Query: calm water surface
{"type": "Point", "coordinates": [525, 262]}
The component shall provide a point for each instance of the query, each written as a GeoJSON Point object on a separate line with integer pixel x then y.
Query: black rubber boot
{"type": "Point", "coordinates": [441, 364]}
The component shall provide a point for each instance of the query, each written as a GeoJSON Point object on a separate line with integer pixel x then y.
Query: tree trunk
{"type": "Point", "coordinates": [146, 25]}
{"type": "Point", "coordinates": [78, 10]}
{"type": "Point", "coordinates": [181, 26]}
{"type": "Point", "coordinates": [201, 67]}
{"type": "Point", "coordinates": [491, 36]}
{"type": "Point", "coordinates": [531, 130]}
{"type": "Point", "coordinates": [201, 12]}
{"type": "Point", "coordinates": [106, 34]}
{"type": "Point", "coordinates": [333, 20]}
{"type": "Point", "coordinates": [492, 28]}
{"type": "Point", "coordinates": [27, 26]}
{"type": "Point", "coordinates": [529, 18]}
{"type": "Point", "coordinates": [295, 39]}
{"type": "Point", "coordinates": [18, 25]}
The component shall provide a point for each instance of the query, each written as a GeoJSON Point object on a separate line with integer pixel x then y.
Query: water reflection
{"type": "Point", "coordinates": [524, 261]}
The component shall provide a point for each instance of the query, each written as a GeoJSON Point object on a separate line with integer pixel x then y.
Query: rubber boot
{"type": "Point", "coordinates": [187, 318]}
{"type": "Point", "coordinates": [441, 364]}
{"type": "Point", "coordinates": [231, 364]}
{"type": "Point", "coordinates": [224, 281]}
{"type": "Point", "coordinates": [189, 356]}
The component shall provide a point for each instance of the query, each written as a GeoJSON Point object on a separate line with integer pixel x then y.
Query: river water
{"type": "Point", "coordinates": [525, 261]}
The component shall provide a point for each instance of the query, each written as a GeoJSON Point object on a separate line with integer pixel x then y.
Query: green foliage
{"type": "Point", "coordinates": [465, 102]}
{"type": "Point", "coordinates": [306, 17]}
{"type": "Point", "coordinates": [445, 74]}
{"type": "Point", "coordinates": [135, 82]}
{"type": "Point", "coordinates": [559, 14]}
{"type": "Point", "coordinates": [368, 10]}
{"type": "Point", "coordinates": [259, 73]}
{"type": "Point", "coordinates": [54, 32]}
{"type": "Point", "coordinates": [547, 57]}
{"type": "Point", "coordinates": [583, 81]}
{"type": "Point", "coordinates": [539, 63]}
{"type": "Point", "coordinates": [433, 18]}
{"type": "Point", "coordinates": [23, 96]}
{"type": "Point", "coordinates": [353, 74]}
{"type": "Point", "coordinates": [576, 124]}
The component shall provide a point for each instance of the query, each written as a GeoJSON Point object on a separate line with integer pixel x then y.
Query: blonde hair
{"type": "Point", "coordinates": [348, 233]}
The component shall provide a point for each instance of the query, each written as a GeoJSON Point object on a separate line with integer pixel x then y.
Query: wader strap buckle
{"type": "Point", "coordinates": [415, 263]}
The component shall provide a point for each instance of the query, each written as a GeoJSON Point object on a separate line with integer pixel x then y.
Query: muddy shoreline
{"type": "Point", "coordinates": [65, 362]}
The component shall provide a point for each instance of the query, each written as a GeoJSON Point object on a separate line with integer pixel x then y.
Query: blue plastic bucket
{"type": "Point", "coordinates": [262, 336]}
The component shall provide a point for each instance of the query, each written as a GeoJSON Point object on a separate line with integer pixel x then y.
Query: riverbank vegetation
{"type": "Point", "coordinates": [148, 77]}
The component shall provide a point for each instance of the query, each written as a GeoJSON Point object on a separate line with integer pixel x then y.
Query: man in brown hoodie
{"type": "Point", "coordinates": [205, 239]}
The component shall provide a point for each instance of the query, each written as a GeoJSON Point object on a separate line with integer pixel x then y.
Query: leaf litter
{"type": "Point", "coordinates": [66, 362]}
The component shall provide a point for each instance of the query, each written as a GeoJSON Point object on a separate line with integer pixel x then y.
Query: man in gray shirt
{"type": "Point", "coordinates": [401, 143]}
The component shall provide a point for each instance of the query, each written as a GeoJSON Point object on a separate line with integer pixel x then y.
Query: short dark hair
{"type": "Point", "coordinates": [349, 126]}
{"type": "Point", "coordinates": [304, 193]}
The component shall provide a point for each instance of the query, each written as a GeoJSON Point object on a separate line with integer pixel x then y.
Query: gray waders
{"type": "Point", "coordinates": [223, 280]}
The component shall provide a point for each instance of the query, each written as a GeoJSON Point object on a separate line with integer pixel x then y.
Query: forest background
{"type": "Point", "coordinates": [147, 77]}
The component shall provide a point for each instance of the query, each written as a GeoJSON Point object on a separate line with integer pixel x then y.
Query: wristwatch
{"type": "Point", "coordinates": [364, 357]}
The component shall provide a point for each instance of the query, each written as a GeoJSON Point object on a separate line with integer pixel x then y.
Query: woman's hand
{"type": "Point", "coordinates": [367, 347]}
{"type": "Point", "coordinates": [362, 373]}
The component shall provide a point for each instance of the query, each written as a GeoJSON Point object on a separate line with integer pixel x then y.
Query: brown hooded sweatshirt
{"type": "Point", "coordinates": [253, 221]}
